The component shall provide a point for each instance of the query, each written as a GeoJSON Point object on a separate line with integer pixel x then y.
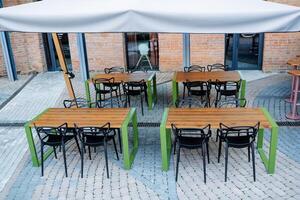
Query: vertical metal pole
{"type": "Point", "coordinates": [8, 55]}
{"type": "Point", "coordinates": [186, 50]}
{"type": "Point", "coordinates": [84, 67]}
{"type": "Point", "coordinates": [235, 51]}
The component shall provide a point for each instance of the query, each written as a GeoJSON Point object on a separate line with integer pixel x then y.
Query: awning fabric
{"type": "Point", "coordinates": [172, 16]}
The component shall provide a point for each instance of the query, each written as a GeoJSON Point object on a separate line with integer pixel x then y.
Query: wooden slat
{"type": "Point", "coordinates": [82, 117]}
{"type": "Point", "coordinates": [199, 117]}
{"type": "Point", "coordinates": [125, 77]}
{"type": "Point", "coordinates": [294, 62]}
{"type": "Point", "coordinates": [206, 76]}
{"type": "Point", "coordinates": [294, 72]}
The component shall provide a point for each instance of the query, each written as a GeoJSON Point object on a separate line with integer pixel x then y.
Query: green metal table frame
{"type": "Point", "coordinates": [175, 91]}
{"type": "Point", "coordinates": [151, 91]}
{"type": "Point", "coordinates": [128, 154]}
{"type": "Point", "coordinates": [270, 163]}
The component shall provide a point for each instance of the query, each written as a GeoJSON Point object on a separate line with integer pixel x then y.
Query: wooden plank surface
{"type": "Point", "coordinates": [199, 117]}
{"type": "Point", "coordinates": [294, 62]}
{"type": "Point", "coordinates": [82, 117]}
{"type": "Point", "coordinates": [125, 77]}
{"type": "Point", "coordinates": [294, 72]}
{"type": "Point", "coordinates": [206, 76]}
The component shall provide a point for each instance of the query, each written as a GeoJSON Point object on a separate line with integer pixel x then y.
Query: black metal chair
{"type": "Point", "coordinates": [55, 137]}
{"type": "Point", "coordinates": [238, 137]}
{"type": "Point", "coordinates": [94, 137]}
{"type": "Point", "coordinates": [192, 139]}
{"type": "Point", "coordinates": [195, 90]}
{"type": "Point", "coordinates": [76, 103]}
{"type": "Point", "coordinates": [192, 68]}
{"type": "Point", "coordinates": [231, 103]}
{"type": "Point", "coordinates": [135, 89]}
{"type": "Point", "coordinates": [226, 89]}
{"type": "Point", "coordinates": [105, 87]}
{"type": "Point", "coordinates": [114, 70]}
{"type": "Point", "coordinates": [217, 67]}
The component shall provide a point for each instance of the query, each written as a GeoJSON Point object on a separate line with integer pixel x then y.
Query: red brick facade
{"type": "Point", "coordinates": [107, 49]}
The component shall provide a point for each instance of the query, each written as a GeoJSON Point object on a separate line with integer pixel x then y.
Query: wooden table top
{"type": "Point", "coordinates": [206, 76]}
{"type": "Point", "coordinates": [125, 77]}
{"type": "Point", "coordinates": [294, 72]}
{"type": "Point", "coordinates": [294, 62]}
{"type": "Point", "coordinates": [82, 117]}
{"type": "Point", "coordinates": [200, 117]}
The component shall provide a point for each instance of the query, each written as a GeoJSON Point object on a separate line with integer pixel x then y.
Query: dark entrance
{"type": "Point", "coordinates": [142, 51]}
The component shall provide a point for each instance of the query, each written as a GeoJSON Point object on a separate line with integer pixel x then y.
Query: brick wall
{"type": "Point", "coordinates": [207, 49]}
{"type": "Point", "coordinates": [170, 52]}
{"type": "Point", "coordinates": [280, 47]}
{"type": "Point", "coordinates": [103, 49]}
{"type": "Point", "coordinates": [27, 48]}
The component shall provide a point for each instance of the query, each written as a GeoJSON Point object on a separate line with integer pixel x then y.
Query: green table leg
{"type": "Point", "coordinates": [174, 91]}
{"type": "Point", "coordinates": [149, 95]}
{"type": "Point", "coordinates": [87, 92]}
{"type": "Point", "coordinates": [260, 138]}
{"type": "Point", "coordinates": [128, 156]}
{"type": "Point", "coordinates": [270, 162]}
{"type": "Point", "coordinates": [243, 91]}
{"type": "Point", "coordinates": [165, 142]}
{"type": "Point", "coordinates": [32, 149]}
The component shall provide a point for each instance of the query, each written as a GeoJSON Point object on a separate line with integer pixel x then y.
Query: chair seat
{"type": "Point", "coordinates": [134, 92]}
{"type": "Point", "coordinates": [96, 140]}
{"type": "Point", "coordinates": [112, 85]}
{"type": "Point", "coordinates": [237, 141]}
{"type": "Point", "coordinates": [191, 142]}
{"type": "Point", "coordinates": [198, 92]}
{"type": "Point", "coordinates": [228, 92]}
{"type": "Point", "coordinates": [55, 140]}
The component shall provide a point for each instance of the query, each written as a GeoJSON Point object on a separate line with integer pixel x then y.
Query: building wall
{"type": "Point", "coordinates": [280, 47]}
{"type": "Point", "coordinates": [27, 48]}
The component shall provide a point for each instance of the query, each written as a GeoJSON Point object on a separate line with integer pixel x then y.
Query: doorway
{"type": "Point", "coordinates": [50, 52]}
{"type": "Point", "coordinates": [244, 51]}
{"type": "Point", "coordinates": [142, 51]}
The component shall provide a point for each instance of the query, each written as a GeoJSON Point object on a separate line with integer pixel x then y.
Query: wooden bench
{"type": "Point", "coordinates": [118, 117]}
{"type": "Point", "coordinates": [149, 78]}
{"type": "Point", "coordinates": [199, 117]}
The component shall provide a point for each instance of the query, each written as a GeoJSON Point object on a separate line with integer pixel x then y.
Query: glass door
{"type": "Point", "coordinates": [142, 51]}
{"type": "Point", "coordinates": [244, 51]}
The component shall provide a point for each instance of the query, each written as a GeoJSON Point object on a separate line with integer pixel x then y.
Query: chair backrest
{"type": "Point", "coordinates": [86, 131]}
{"type": "Point", "coordinates": [75, 103]}
{"type": "Point", "coordinates": [247, 132]}
{"type": "Point", "coordinates": [101, 83]}
{"type": "Point", "coordinates": [194, 68]}
{"type": "Point", "coordinates": [227, 85]}
{"type": "Point", "coordinates": [180, 133]}
{"type": "Point", "coordinates": [217, 67]}
{"type": "Point", "coordinates": [134, 85]}
{"type": "Point", "coordinates": [143, 48]}
{"type": "Point", "coordinates": [114, 70]}
{"type": "Point", "coordinates": [201, 85]}
{"type": "Point", "coordinates": [232, 102]}
{"type": "Point", "coordinates": [44, 132]}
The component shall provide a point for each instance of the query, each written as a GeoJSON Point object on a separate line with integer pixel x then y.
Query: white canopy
{"type": "Point", "coordinates": [172, 16]}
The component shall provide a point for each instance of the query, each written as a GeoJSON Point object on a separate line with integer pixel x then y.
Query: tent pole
{"type": "Point", "coordinates": [63, 65]}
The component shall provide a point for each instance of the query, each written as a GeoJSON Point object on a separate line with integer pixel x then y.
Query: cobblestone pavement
{"type": "Point", "coordinates": [146, 180]}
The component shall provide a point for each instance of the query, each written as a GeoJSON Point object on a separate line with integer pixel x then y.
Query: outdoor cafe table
{"type": "Point", "coordinates": [149, 78]}
{"type": "Point", "coordinates": [199, 117]}
{"type": "Point", "coordinates": [118, 118]}
{"type": "Point", "coordinates": [206, 76]}
{"type": "Point", "coordinates": [294, 94]}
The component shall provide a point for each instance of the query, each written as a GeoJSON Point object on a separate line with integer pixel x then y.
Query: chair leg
{"type": "Point", "coordinates": [142, 106]}
{"type": "Point", "coordinates": [226, 160]}
{"type": "Point", "coordinates": [183, 95]}
{"type": "Point", "coordinates": [65, 160]}
{"type": "Point", "coordinates": [111, 99]}
{"type": "Point", "coordinates": [42, 159]}
{"type": "Point", "coordinates": [129, 100]}
{"type": "Point", "coordinates": [115, 146]}
{"type": "Point", "coordinates": [253, 161]}
{"type": "Point", "coordinates": [174, 145]}
{"type": "Point", "coordinates": [89, 148]}
{"type": "Point", "coordinates": [219, 152]}
{"type": "Point", "coordinates": [177, 162]}
{"type": "Point", "coordinates": [81, 156]}
{"type": "Point", "coordinates": [249, 154]}
{"type": "Point", "coordinates": [117, 97]}
{"type": "Point", "coordinates": [55, 155]}
{"type": "Point", "coordinates": [106, 161]}
{"type": "Point", "coordinates": [120, 139]}
{"type": "Point", "coordinates": [207, 151]}
{"type": "Point", "coordinates": [204, 162]}
{"type": "Point", "coordinates": [77, 144]}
